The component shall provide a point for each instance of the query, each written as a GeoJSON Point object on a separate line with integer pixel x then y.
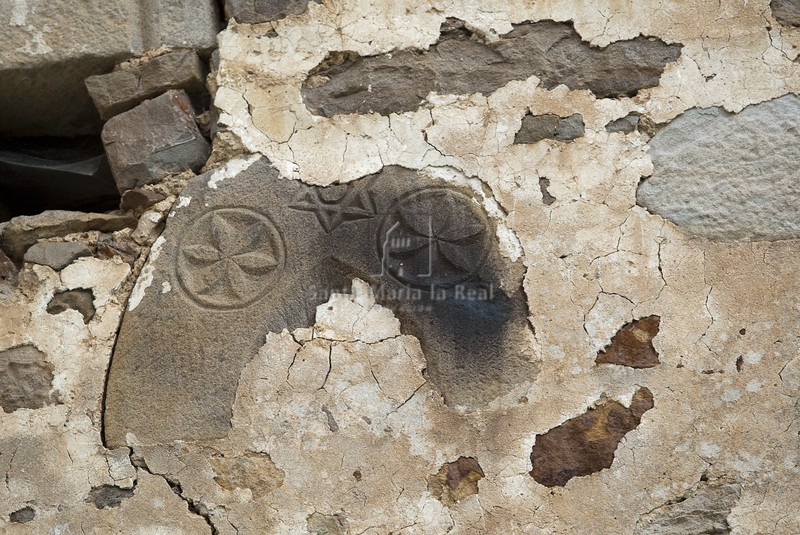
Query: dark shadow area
{"type": "Point", "coordinates": [54, 173]}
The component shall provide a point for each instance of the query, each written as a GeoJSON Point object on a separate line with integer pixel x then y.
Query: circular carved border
{"type": "Point", "coordinates": [229, 258]}
{"type": "Point", "coordinates": [434, 237]}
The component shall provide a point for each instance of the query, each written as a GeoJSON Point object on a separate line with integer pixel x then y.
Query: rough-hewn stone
{"type": "Point", "coordinates": [20, 233]}
{"type": "Point", "coordinates": [277, 249]}
{"type": "Point", "coordinates": [787, 12]}
{"type": "Point", "coordinates": [538, 127]}
{"type": "Point", "coordinates": [586, 444]}
{"type": "Point", "coordinates": [729, 176]}
{"type": "Point", "coordinates": [460, 63]}
{"type": "Point", "coordinates": [25, 379]}
{"type": "Point", "coordinates": [123, 89]}
{"type": "Point", "coordinates": [56, 255]}
{"type": "Point", "coordinates": [633, 345]}
{"type": "Point", "coordinates": [255, 11]}
{"type": "Point", "coordinates": [153, 140]}
{"type": "Point", "coordinates": [49, 48]}
{"type": "Point", "coordinates": [703, 510]}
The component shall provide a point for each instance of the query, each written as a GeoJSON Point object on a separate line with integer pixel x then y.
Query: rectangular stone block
{"type": "Point", "coordinates": [122, 90]}
{"type": "Point", "coordinates": [154, 139]}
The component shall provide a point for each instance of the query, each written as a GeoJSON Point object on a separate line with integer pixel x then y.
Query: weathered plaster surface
{"type": "Point", "coordinates": [335, 426]}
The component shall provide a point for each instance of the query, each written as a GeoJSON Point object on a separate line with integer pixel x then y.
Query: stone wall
{"type": "Point", "coordinates": [400, 267]}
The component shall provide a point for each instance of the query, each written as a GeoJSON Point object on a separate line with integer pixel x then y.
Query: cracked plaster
{"type": "Point", "coordinates": [343, 409]}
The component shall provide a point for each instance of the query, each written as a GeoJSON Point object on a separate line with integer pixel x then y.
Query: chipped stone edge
{"type": "Point", "coordinates": [229, 170]}
{"type": "Point", "coordinates": [146, 277]}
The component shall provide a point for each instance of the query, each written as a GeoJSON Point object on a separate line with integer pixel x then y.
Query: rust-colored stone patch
{"type": "Point", "coordinates": [586, 444]}
{"type": "Point", "coordinates": [633, 345]}
{"type": "Point", "coordinates": [457, 480]}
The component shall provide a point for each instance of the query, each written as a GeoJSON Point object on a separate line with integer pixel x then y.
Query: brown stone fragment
{"type": "Point", "coordinates": [254, 471]}
{"type": "Point", "coordinates": [633, 345]}
{"type": "Point", "coordinates": [586, 444]}
{"type": "Point", "coordinates": [457, 480]}
{"type": "Point", "coordinates": [549, 126]}
{"type": "Point", "coordinates": [140, 199]}
{"type": "Point", "coordinates": [157, 138]}
{"type": "Point", "coordinates": [122, 90]}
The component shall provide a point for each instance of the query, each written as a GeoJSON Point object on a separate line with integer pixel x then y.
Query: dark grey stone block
{"type": "Point", "coordinates": [156, 138]}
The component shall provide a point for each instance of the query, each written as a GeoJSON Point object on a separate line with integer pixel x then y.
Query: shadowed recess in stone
{"type": "Point", "coordinates": [728, 176]}
{"type": "Point", "coordinates": [258, 254]}
{"type": "Point", "coordinates": [456, 481]}
{"type": "Point", "coordinates": [544, 185]}
{"type": "Point", "coordinates": [633, 345]}
{"type": "Point", "coordinates": [586, 444]}
{"type": "Point", "coordinates": [81, 300]}
{"type": "Point", "coordinates": [255, 11]}
{"type": "Point", "coordinates": [38, 174]}
{"type": "Point", "coordinates": [254, 471]}
{"type": "Point", "coordinates": [538, 127]}
{"type": "Point", "coordinates": [703, 510]}
{"type": "Point", "coordinates": [25, 379]}
{"type": "Point", "coordinates": [22, 516]}
{"type": "Point", "coordinates": [461, 62]}
{"type": "Point", "coordinates": [108, 496]}
{"type": "Point", "coordinates": [787, 12]}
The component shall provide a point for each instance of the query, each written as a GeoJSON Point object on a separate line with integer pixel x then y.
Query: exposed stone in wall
{"type": "Point", "coordinates": [26, 379]}
{"type": "Point", "coordinates": [157, 138]}
{"type": "Point", "coordinates": [123, 89]}
{"type": "Point", "coordinates": [538, 127]}
{"type": "Point", "coordinates": [633, 345]}
{"type": "Point", "coordinates": [704, 509]}
{"type": "Point", "coordinates": [108, 496]}
{"type": "Point", "coordinates": [624, 125]}
{"type": "Point", "coordinates": [586, 444]}
{"type": "Point", "coordinates": [460, 62]}
{"type": "Point", "coordinates": [728, 176]}
{"type": "Point", "coordinates": [80, 299]}
{"type": "Point", "coordinates": [786, 12]}
{"type": "Point", "coordinates": [255, 11]}
{"type": "Point", "coordinates": [56, 255]}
